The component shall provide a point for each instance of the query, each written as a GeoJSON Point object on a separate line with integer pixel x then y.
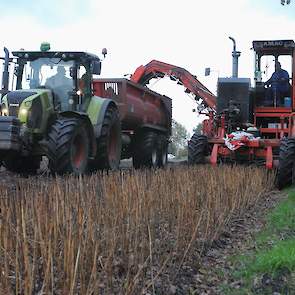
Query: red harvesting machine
{"type": "Point", "coordinates": [245, 124]}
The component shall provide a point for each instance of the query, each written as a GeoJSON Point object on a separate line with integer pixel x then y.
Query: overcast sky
{"type": "Point", "coordinates": [190, 33]}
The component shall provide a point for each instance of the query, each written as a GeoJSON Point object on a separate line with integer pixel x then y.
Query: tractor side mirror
{"type": "Point", "coordinates": [96, 67]}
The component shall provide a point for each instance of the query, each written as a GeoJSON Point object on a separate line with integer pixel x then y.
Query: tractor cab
{"type": "Point", "coordinates": [273, 93]}
{"type": "Point", "coordinates": [68, 75]}
{"type": "Point", "coordinates": [268, 54]}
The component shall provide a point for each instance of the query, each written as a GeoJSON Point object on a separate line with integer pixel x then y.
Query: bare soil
{"type": "Point", "coordinates": [214, 268]}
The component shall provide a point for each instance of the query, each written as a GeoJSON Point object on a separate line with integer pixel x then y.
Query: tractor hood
{"type": "Point", "coordinates": [29, 106]}
{"type": "Point", "coordinates": [14, 100]}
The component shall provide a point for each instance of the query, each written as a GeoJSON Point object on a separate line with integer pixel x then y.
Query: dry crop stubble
{"type": "Point", "coordinates": [115, 232]}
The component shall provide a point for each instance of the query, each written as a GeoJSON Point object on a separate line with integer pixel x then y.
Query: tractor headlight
{"type": "Point", "coordinates": [4, 111]}
{"type": "Point", "coordinates": [23, 112]}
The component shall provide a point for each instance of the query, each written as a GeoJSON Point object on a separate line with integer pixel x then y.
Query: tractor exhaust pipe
{"type": "Point", "coordinates": [5, 77]}
{"type": "Point", "coordinates": [235, 54]}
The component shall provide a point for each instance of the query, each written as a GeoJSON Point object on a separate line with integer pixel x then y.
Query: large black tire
{"type": "Point", "coordinates": [109, 144]}
{"type": "Point", "coordinates": [197, 149]}
{"type": "Point", "coordinates": [162, 151]}
{"type": "Point", "coordinates": [68, 146]}
{"type": "Point", "coordinates": [286, 170]}
{"type": "Point", "coordinates": [146, 150]}
{"type": "Point", "coordinates": [22, 164]}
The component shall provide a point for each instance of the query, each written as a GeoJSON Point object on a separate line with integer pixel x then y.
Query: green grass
{"type": "Point", "coordinates": [283, 216]}
{"type": "Point", "coordinates": [281, 255]}
{"type": "Point", "coordinates": [273, 258]}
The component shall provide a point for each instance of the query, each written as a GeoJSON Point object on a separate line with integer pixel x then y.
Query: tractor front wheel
{"type": "Point", "coordinates": [286, 170]}
{"type": "Point", "coordinates": [68, 146]}
{"type": "Point", "coordinates": [197, 149]}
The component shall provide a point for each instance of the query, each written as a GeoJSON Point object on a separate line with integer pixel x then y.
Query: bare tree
{"type": "Point", "coordinates": [179, 138]}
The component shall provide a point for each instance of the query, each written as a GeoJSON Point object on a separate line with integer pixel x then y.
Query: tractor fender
{"type": "Point", "coordinates": [96, 111]}
{"type": "Point", "coordinates": [90, 127]}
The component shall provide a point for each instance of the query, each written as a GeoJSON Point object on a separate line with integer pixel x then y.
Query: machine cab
{"type": "Point", "coordinates": [67, 74]}
{"type": "Point", "coordinates": [273, 75]}
{"type": "Point", "coordinates": [274, 91]}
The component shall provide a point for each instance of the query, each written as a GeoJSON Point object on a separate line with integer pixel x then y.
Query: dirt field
{"type": "Point", "coordinates": [129, 232]}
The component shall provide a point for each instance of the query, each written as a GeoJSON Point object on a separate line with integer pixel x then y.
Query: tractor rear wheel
{"type": "Point", "coordinates": [109, 144]}
{"type": "Point", "coordinates": [68, 146]}
{"type": "Point", "coordinates": [197, 149]}
{"type": "Point", "coordinates": [146, 150]}
{"type": "Point", "coordinates": [286, 170]}
{"type": "Point", "coordinates": [22, 164]}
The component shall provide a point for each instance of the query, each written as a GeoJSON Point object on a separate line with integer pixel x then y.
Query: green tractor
{"type": "Point", "coordinates": [54, 113]}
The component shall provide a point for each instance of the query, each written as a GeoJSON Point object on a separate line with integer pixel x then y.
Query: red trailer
{"type": "Point", "coordinates": [145, 119]}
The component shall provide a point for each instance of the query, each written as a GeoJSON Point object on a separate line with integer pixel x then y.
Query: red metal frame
{"type": "Point", "coordinates": [262, 148]}
{"type": "Point", "coordinates": [215, 126]}
{"type": "Point", "coordinates": [253, 149]}
{"type": "Point", "coordinates": [155, 68]}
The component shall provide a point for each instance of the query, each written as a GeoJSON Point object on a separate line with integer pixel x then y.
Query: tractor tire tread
{"type": "Point", "coordinates": [145, 144]}
{"type": "Point", "coordinates": [59, 143]}
{"type": "Point", "coordinates": [197, 149]}
{"type": "Point", "coordinates": [286, 169]}
{"type": "Point", "coordinates": [101, 161]}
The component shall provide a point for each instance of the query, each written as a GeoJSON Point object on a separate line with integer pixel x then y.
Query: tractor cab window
{"type": "Point", "coordinates": [267, 65]}
{"type": "Point", "coordinates": [84, 80]}
{"type": "Point", "coordinates": [273, 87]}
{"type": "Point", "coordinates": [286, 63]}
{"type": "Point", "coordinates": [50, 73]}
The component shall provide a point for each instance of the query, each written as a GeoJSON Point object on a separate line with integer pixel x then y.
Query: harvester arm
{"type": "Point", "coordinates": [156, 69]}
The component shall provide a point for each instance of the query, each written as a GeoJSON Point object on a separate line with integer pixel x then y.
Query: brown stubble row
{"type": "Point", "coordinates": [103, 234]}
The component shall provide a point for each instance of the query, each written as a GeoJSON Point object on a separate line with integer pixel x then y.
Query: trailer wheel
{"type": "Point", "coordinates": [162, 151]}
{"type": "Point", "coordinates": [197, 149]}
{"type": "Point", "coordinates": [146, 150]}
{"type": "Point", "coordinates": [286, 170]}
{"type": "Point", "coordinates": [68, 146]}
{"type": "Point", "coordinates": [109, 144]}
{"type": "Point", "coordinates": [22, 165]}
